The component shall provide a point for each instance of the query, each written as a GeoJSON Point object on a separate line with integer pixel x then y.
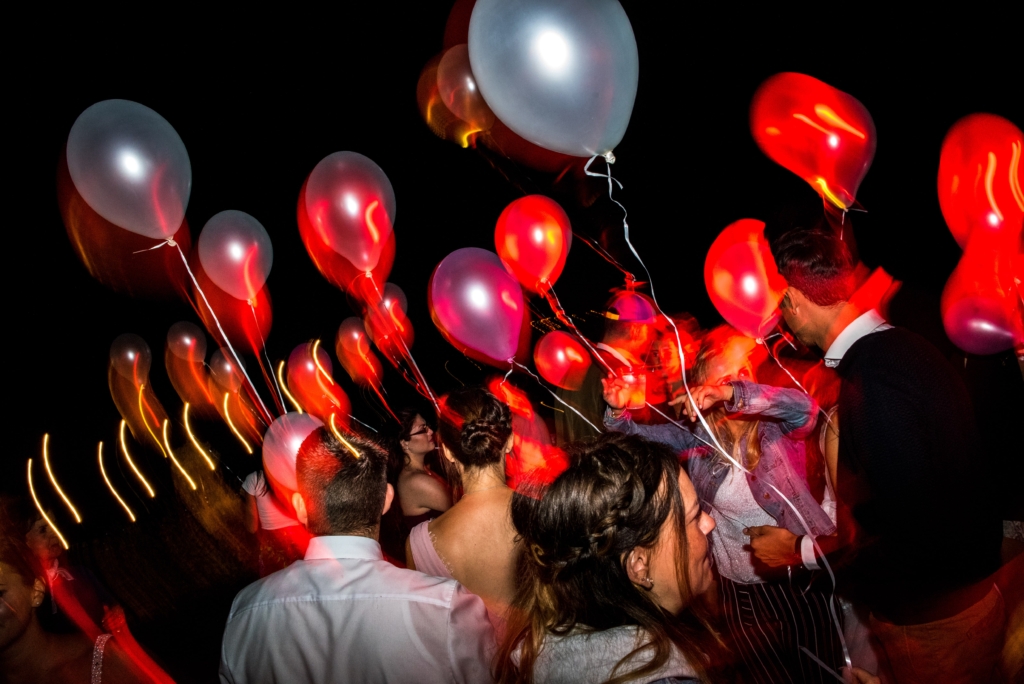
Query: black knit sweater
{"type": "Point", "coordinates": [913, 484]}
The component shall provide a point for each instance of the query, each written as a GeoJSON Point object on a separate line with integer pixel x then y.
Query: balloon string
{"type": "Point", "coordinates": [697, 412]}
{"type": "Point", "coordinates": [603, 253]}
{"type": "Point", "coordinates": [369, 427]}
{"type": "Point", "coordinates": [272, 384]}
{"type": "Point", "coordinates": [775, 358]}
{"type": "Point", "coordinates": [557, 398]}
{"type": "Point", "coordinates": [560, 314]}
{"type": "Point", "coordinates": [223, 334]}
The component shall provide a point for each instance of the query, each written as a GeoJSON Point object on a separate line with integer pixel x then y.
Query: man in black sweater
{"type": "Point", "coordinates": [917, 514]}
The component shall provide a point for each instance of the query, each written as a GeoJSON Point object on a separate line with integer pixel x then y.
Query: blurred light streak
{"type": "Point", "coordinates": [337, 433]}
{"type": "Point", "coordinates": [227, 417]}
{"type": "Point", "coordinates": [195, 442]}
{"type": "Point", "coordinates": [39, 507]}
{"type": "Point", "coordinates": [128, 457]}
{"type": "Point", "coordinates": [825, 113]}
{"type": "Point", "coordinates": [110, 486]}
{"type": "Point", "coordinates": [284, 387]}
{"type": "Point", "coordinates": [823, 184]}
{"type": "Point", "coordinates": [1018, 195]}
{"type": "Point", "coordinates": [374, 232]}
{"type": "Point", "coordinates": [167, 444]}
{"type": "Point", "coordinates": [990, 174]}
{"type": "Point", "coordinates": [53, 480]}
{"type": "Point", "coordinates": [142, 414]}
{"type": "Point", "coordinates": [316, 347]}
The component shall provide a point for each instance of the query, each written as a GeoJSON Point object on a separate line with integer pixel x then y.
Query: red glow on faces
{"type": "Point", "coordinates": [980, 176]}
{"type": "Point", "coordinates": [742, 280]}
{"type": "Point", "coordinates": [821, 134]}
{"type": "Point", "coordinates": [311, 382]}
{"type": "Point", "coordinates": [532, 238]}
{"type": "Point", "coordinates": [561, 360]}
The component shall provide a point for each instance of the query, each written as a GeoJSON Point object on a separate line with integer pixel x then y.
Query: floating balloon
{"type": "Point", "coordinates": [353, 349]}
{"type": "Point", "coordinates": [821, 134]}
{"type": "Point", "coordinates": [458, 89]}
{"type": "Point", "coordinates": [562, 74]}
{"type": "Point", "coordinates": [980, 176]}
{"type": "Point", "coordinates": [742, 280]}
{"type": "Point", "coordinates": [128, 380]}
{"type": "Point", "coordinates": [225, 371]}
{"type": "Point", "coordinates": [561, 360]}
{"type": "Point", "coordinates": [311, 381]}
{"type": "Point", "coordinates": [131, 167]}
{"type": "Point", "coordinates": [131, 358]}
{"type": "Point", "coordinates": [533, 237]}
{"type": "Point", "coordinates": [394, 296]}
{"type": "Point", "coordinates": [351, 207]}
{"type": "Point", "coordinates": [477, 305]}
{"type": "Point", "coordinates": [185, 361]}
{"type": "Point", "coordinates": [246, 323]}
{"type": "Point", "coordinates": [281, 447]}
{"type": "Point", "coordinates": [187, 342]}
{"type": "Point", "coordinates": [236, 253]}
{"type": "Point", "coordinates": [386, 323]}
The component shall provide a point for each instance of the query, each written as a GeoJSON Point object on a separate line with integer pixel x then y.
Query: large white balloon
{"type": "Point", "coordinates": [560, 73]}
{"type": "Point", "coordinates": [281, 446]}
{"type": "Point", "coordinates": [131, 167]}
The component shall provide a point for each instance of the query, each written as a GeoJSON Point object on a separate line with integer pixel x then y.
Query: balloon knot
{"type": "Point", "coordinates": [171, 242]}
{"type": "Point", "coordinates": [609, 157]}
{"type": "Point", "coordinates": [759, 340]}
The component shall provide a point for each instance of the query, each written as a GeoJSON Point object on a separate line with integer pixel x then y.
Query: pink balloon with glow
{"type": "Point", "coordinates": [236, 253]}
{"type": "Point", "coordinates": [351, 206]}
{"type": "Point", "coordinates": [281, 446]}
{"type": "Point", "coordinates": [476, 304]}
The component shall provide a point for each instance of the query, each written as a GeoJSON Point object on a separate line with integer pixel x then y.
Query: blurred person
{"type": "Point", "coordinates": [770, 614]}
{"type": "Point", "coordinates": [422, 494]}
{"type": "Point", "coordinates": [615, 560]}
{"type": "Point", "coordinates": [474, 541]}
{"type": "Point", "coordinates": [916, 492]}
{"type": "Point", "coordinates": [665, 364]}
{"type": "Point", "coordinates": [344, 613]}
{"type": "Point", "coordinates": [281, 539]}
{"type": "Point", "coordinates": [30, 654]}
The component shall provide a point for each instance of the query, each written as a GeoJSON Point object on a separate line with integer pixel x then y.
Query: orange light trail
{"type": "Point", "coordinates": [195, 442]}
{"type": "Point", "coordinates": [316, 346]}
{"type": "Point", "coordinates": [227, 417]}
{"type": "Point", "coordinates": [167, 443]}
{"type": "Point", "coordinates": [128, 457]}
{"type": "Point", "coordinates": [807, 120]}
{"type": "Point", "coordinates": [1018, 195]}
{"type": "Point", "coordinates": [145, 422]}
{"type": "Point", "coordinates": [39, 507]}
{"type": "Point", "coordinates": [284, 387]}
{"type": "Point", "coordinates": [374, 232]}
{"type": "Point", "coordinates": [990, 174]}
{"type": "Point", "coordinates": [103, 471]}
{"type": "Point", "coordinates": [825, 113]}
{"type": "Point", "coordinates": [823, 184]}
{"type": "Point", "coordinates": [53, 480]}
{"type": "Point", "coordinates": [341, 439]}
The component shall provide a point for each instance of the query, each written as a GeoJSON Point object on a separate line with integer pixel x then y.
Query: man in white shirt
{"type": "Point", "coordinates": [344, 614]}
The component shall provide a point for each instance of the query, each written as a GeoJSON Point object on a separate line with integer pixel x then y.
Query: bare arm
{"type": "Point", "coordinates": [250, 512]}
{"type": "Point", "coordinates": [420, 490]}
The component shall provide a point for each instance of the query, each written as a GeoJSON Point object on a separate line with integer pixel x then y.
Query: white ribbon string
{"type": "Point", "coordinates": [263, 347]}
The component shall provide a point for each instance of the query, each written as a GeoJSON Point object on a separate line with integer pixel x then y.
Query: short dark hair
{"type": "Point", "coordinates": [816, 262]}
{"type": "Point", "coordinates": [343, 483]}
{"type": "Point", "coordinates": [475, 426]}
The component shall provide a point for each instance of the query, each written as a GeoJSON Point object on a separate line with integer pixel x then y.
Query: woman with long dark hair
{"type": "Point", "coordinates": [615, 558]}
{"type": "Point", "coordinates": [422, 494]}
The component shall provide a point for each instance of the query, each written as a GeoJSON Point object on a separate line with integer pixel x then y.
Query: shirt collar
{"type": "Point", "coordinates": [347, 546]}
{"type": "Point", "coordinates": [865, 324]}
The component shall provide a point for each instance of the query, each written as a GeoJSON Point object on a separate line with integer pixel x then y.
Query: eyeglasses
{"type": "Point", "coordinates": [422, 431]}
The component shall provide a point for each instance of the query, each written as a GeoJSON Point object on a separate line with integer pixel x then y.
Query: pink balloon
{"type": "Point", "coordinates": [236, 253]}
{"type": "Point", "coordinates": [351, 206]}
{"type": "Point", "coordinates": [476, 304]}
{"type": "Point", "coordinates": [392, 296]}
{"type": "Point", "coordinates": [225, 371]}
{"type": "Point", "coordinates": [281, 446]}
{"type": "Point", "coordinates": [982, 325]}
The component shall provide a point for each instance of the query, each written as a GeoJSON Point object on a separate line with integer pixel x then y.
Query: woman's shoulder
{"type": "Point", "coordinates": [591, 655]}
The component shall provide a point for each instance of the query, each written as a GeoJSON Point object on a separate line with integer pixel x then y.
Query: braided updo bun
{"type": "Point", "coordinates": [474, 426]}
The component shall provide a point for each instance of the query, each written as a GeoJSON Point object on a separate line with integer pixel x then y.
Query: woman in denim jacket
{"type": "Point", "coordinates": [769, 613]}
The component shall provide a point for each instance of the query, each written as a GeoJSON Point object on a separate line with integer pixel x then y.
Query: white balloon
{"type": "Point", "coordinates": [560, 73]}
{"type": "Point", "coordinates": [281, 446]}
{"type": "Point", "coordinates": [131, 167]}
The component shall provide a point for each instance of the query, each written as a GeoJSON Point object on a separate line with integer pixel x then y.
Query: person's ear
{"type": "Point", "coordinates": [796, 298]}
{"type": "Point", "coordinates": [299, 504]}
{"type": "Point", "coordinates": [404, 443]}
{"type": "Point", "coordinates": [38, 592]}
{"type": "Point", "coordinates": [389, 497]}
{"type": "Point", "coordinates": [447, 453]}
{"type": "Point", "coordinates": [638, 567]}
{"type": "Point", "coordinates": [508, 444]}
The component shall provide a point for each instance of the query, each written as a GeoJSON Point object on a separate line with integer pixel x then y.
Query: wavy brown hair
{"type": "Point", "coordinates": [576, 537]}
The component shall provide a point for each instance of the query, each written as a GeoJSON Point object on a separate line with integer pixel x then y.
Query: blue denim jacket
{"type": "Point", "coordinates": [787, 417]}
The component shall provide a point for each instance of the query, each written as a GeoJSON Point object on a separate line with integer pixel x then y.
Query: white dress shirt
{"type": "Point", "coordinates": [344, 614]}
{"type": "Point", "coordinates": [865, 324]}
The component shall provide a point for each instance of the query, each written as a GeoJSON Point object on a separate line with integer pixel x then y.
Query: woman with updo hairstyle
{"type": "Point", "coordinates": [614, 563]}
{"type": "Point", "coordinates": [473, 541]}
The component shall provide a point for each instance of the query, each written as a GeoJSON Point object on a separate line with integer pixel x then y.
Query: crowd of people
{"type": "Point", "coordinates": [726, 527]}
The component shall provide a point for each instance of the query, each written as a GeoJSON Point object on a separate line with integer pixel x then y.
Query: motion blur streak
{"type": "Point", "coordinates": [195, 442]}
{"type": "Point", "coordinates": [128, 457]}
{"type": "Point", "coordinates": [103, 471]}
{"type": "Point", "coordinates": [990, 173]}
{"type": "Point", "coordinates": [39, 507]}
{"type": "Point", "coordinates": [227, 417]}
{"type": "Point", "coordinates": [1018, 195]}
{"type": "Point", "coordinates": [53, 480]}
{"type": "Point", "coordinates": [284, 387]}
{"type": "Point", "coordinates": [316, 360]}
{"type": "Point", "coordinates": [142, 414]}
{"type": "Point", "coordinates": [167, 444]}
{"type": "Point", "coordinates": [337, 433]}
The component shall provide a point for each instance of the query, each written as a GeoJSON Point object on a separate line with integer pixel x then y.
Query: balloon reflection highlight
{"type": "Point", "coordinates": [131, 463]}
{"type": "Point", "coordinates": [53, 480]}
{"type": "Point", "coordinates": [42, 511]}
{"type": "Point", "coordinates": [110, 486]}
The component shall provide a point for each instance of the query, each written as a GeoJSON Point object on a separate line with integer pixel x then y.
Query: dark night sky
{"type": "Point", "coordinates": [258, 109]}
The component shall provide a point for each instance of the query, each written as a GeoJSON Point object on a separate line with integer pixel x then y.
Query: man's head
{"type": "Point", "coordinates": [343, 488]}
{"type": "Point", "coordinates": [629, 324]}
{"type": "Point", "coordinates": [820, 272]}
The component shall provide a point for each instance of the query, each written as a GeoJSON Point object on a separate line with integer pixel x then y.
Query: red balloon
{"type": "Point", "coordinates": [310, 380]}
{"type": "Point", "coordinates": [980, 176]}
{"type": "Point", "coordinates": [561, 359]}
{"type": "Point", "coordinates": [457, 89]}
{"type": "Point", "coordinates": [742, 280]}
{"type": "Point", "coordinates": [821, 134]}
{"type": "Point", "coordinates": [353, 349]}
{"type": "Point", "coordinates": [247, 324]}
{"type": "Point", "coordinates": [532, 238]}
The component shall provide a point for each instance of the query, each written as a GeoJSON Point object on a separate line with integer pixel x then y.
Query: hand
{"type": "Point", "coordinates": [704, 397]}
{"type": "Point", "coordinates": [616, 392]}
{"type": "Point", "coordinates": [857, 675]}
{"type": "Point", "coordinates": [774, 546]}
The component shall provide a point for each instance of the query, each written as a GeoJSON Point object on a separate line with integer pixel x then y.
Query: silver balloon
{"type": "Point", "coordinates": [131, 358]}
{"type": "Point", "coordinates": [187, 341]}
{"type": "Point", "coordinates": [131, 167]}
{"type": "Point", "coordinates": [236, 253]}
{"type": "Point", "coordinates": [560, 73]}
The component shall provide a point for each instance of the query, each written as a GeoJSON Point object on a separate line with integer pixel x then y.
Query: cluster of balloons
{"type": "Point", "coordinates": [979, 186]}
